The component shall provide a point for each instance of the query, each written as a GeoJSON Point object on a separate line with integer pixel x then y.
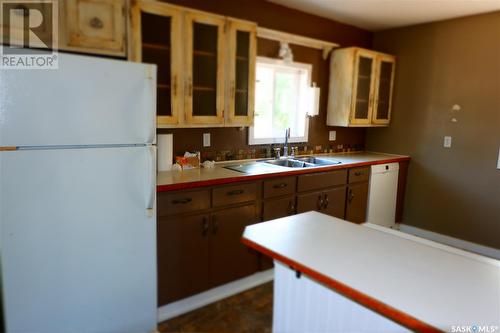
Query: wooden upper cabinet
{"type": "Point", "coordinates": [204, 68]}
{"type": "Point", "coordinates": [360, 92]}
{"type": "Point", "coordinates": [364, 74]}
{"type": "Point", "coordinates": [95, 26]}
{"type": "Point", "coordinates": [383, 89]}
{"type": "Point", "coordinates": [240, 85]}
{"type": "Point", "coordinates": [156, 39]}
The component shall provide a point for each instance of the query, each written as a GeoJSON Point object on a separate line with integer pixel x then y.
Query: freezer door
{"type": "Point", "coordinates": [87, 101]}
{"type": "Point", "coordinates": [78, 240]}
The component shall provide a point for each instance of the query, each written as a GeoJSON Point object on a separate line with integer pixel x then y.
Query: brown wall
{"type": "Point", "coordinates": [274, 16]}
{"type": "Point", "coordinates": [454, 191]}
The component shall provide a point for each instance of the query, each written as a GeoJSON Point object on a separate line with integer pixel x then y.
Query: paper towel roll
{"type": "Point", "coordinates": [165, 155]}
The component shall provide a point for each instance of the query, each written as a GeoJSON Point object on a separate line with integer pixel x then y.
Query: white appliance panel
{"type": "Point", "coordinates": [87, 101]}
{"type": "Point", "coordinates": [383, 192]}
{"type": "Point", "coordinates": [78, 247]}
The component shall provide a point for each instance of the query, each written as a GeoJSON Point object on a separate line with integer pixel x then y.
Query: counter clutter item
{"type": "Point", "coordinates": [416, 283]}
{"type": "Point", "coordinates": [165, 155]}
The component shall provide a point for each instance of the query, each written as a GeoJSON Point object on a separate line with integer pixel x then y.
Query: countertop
{"type": "Point", "coordinates": [418, 283]}
{"type": "Point", "coordinates": [175, 180]}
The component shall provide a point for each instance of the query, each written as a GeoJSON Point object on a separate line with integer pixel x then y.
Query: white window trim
{"type": "Point", "coordinates": [296, 139]}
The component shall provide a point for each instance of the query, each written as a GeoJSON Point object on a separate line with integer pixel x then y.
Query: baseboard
{"type": "Point", "coordinates": [455, 242]}
{"type": "Point", "coordinates": [213, 295]}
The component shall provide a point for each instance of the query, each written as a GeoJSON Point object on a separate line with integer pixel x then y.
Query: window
{"type": "Point", "coordinates": [281, 101]}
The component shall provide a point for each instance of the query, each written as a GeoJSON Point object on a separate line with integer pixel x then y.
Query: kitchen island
{"type": "Point", "coordinates": [336, 276]}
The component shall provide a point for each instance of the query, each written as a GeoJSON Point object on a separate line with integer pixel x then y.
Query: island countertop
{"type": "Point", "coordinates": [417, 283]}
{"type": "Point", "coordinates": [175, 180]}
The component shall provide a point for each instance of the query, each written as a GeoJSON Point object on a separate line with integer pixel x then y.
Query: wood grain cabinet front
{"type": "Point", "coordinates": [330, 201]}
{"type": "Point", "coordinates": [95, 26]}
{"type": "Point", "coordinates": [357, 202]}
{"type": "Point", "coordinates": [361, 85]}
{"type": "Point", "coordinates": [229, 258]}
{"type": "Point", "coordinates": [320, 180]}
{"type": "Point", "coordinates": [183, 256]}
{"type": "Point", "coordinates": [172, 203]}
{"type": "Point", "coordinates": [233, 194]}
{"type": "Point", "coordinates": [280, 207]}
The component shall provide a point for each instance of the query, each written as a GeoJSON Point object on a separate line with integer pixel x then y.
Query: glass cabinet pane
{"type": "Point", "coordinates": [384, 90]}
{"type": "Point", "coordinates": [242, 72]}
{"type": "Point", "coordinates": [204, 85]}
{"type": "Point", "coordinates": [156, 49]}
{"type": "Point", "coordinates": [364, 80]}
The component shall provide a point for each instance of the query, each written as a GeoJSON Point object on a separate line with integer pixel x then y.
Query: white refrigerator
{"type": "Point", "coordinates": [77, 197]}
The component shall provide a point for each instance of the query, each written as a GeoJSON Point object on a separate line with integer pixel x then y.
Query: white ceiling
{"type": "Point", "coordinates": [384, 14]}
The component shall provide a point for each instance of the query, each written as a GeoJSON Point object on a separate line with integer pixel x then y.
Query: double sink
{"type": "Point", "coordinates": [289, 163]}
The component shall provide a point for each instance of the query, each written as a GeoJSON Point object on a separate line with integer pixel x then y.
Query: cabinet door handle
{"type": "Point", "coordinates": [205, 226]}
{"type": "Point", "coordinates": [235, 192]}
{"type": "Point", "coordinates": [215, 225]}
{"type": "Point", "coordinates": [291, 208]}
{"type": "Point", "coordinates": [280, 185]}
{"type": "Point", "coordinates": [358, 173]}
{"type": "Point", "coordinates": [320, 202]}
{"type": "Point", "coordinates": [96, 23]}
{"type": "Point", "coordinates": [351, 195]}
{"type": "Point", "coordinates": [181, 201]}
{"type": "Point", "coordinates": [326, 201]}
{"type": "Point", "coordinates": [233, 89]}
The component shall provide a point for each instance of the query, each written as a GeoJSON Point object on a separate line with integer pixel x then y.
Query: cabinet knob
{"type": "Point", "coordinates": [205, 226]}
{"type": "Point", "coordinates": [320, 202]}
{"type": "Point", "coordinates": [181, 201]}
{"type": "Point", "coordinates": [235, 192]}
{"type": "Point", "coordinates": [96, 23]}
{"type": "Point", "coordinates": [280, 185]}
{"type": "Point", "coordinates": [351, 196]}
{"type": "Point", "coordinates": [326, 201]}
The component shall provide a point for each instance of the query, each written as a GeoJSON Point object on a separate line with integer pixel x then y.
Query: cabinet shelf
{"type": "Point", "coordinates": [201, 88]}
{"type": "Point", "coordinates": [155, 46]}
{"type": "Point", "coordinates": [204, 53]}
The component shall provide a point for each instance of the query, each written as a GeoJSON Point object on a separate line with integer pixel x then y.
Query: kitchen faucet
{"type": "Point", "coordinates": [285, 146]}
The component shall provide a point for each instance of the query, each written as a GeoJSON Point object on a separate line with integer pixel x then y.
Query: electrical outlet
{"type": "Point", "coordinates": [447, 142]}
{"type": "Point", "coordinates": [206, 139]}
{"type": "Point", "coordinates": [332, 135]}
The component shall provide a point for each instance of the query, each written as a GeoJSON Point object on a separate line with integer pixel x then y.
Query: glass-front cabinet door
{"type": "Point", "coordinates": [364, 69]}
{"type": "Point", "coordinates": [383, 90]}
{"type": "Point", "coordinates": [156, 39]}
{"type": "Point", "coordinates": [240, 84]}
{"type": "Point", "coordinates": [204, 61]}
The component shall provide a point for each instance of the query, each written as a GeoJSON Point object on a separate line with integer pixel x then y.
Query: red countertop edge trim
{"type": "Point", "coordinates": [387, 311]}
{"type": "Point", "coordinates": [243, 178]}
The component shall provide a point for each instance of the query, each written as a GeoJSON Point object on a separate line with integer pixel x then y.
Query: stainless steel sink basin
{"type": "Point", "coordinates": [290, 163]}
{"type": "Point", "coordinates": [317, 160]}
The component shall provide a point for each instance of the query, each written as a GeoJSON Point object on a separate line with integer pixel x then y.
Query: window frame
{"type": "Point", "coordinates": [290, 66]}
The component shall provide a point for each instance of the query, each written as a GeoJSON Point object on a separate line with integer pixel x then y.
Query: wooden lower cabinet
{"type": "Point", "coordinates": [357, 202]}
{"type": "Point", "coordinates": [276, 208]}
{"type": "Point", "coordinates": [329, 201]}
{"type": "Point", "coordinates": [183, 257]}
{"type": "Point", "coordinates": [229, 258]}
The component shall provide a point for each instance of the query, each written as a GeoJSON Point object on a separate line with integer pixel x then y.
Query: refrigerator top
{"type": "Point", "coordinates": [87, 101]}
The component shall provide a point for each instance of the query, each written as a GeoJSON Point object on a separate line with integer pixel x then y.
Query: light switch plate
{"type": "Point", "coordinates": [332, 135]}
{"type": "Point", "coordinates": [206, 139]}
{"type": "Point", "coordinates": [447, 142]}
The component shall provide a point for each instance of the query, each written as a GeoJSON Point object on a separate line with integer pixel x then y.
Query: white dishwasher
{"type": "Point", "coordinates": [383, 194]}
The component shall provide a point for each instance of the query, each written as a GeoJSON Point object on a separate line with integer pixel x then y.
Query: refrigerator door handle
{"type": "Point", "coordinates": [150, 209]}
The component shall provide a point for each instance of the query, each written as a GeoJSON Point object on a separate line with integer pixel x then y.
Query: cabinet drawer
{"type": "Point", "coordinates": [279, 186]}
{"type": "Point", "coordinates": [181, 202]}
{"type": "Point", "coordinates": [359, 175]}
{"type": "Point", "coordinates": [321, 180]}
{"type": "Point", "coordinates": [227, 195]}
